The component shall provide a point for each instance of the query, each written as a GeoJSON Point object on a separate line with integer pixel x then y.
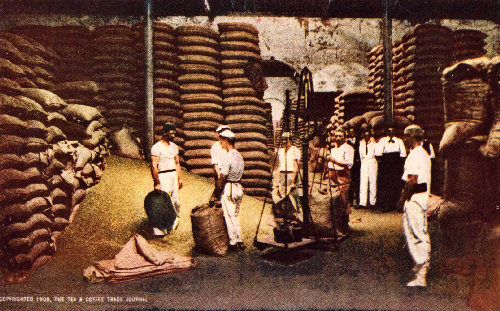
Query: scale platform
{"type": "Point", "coordinates": [270, 242]}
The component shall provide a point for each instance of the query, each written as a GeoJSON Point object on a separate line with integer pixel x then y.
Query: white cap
{"type": "Point", "coordinates": [222, 127]}
{"type": "Point", "coordinates": [227, 134]}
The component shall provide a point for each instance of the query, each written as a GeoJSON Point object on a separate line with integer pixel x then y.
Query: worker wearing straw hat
{"type": "Point", "coordinates": [166, 169]}
{"type": "Point", "coordinates": [414, 198]}
{"type": "Point", "coordinates": [230, 188]}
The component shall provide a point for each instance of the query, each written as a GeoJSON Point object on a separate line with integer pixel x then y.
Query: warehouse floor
{"type": "Point", "coordinates": [366, 271]}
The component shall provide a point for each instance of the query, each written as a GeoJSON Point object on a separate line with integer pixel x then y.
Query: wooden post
{"type": "Point", "coordinates": [387, 44]}
{"type": "Point", "coordinates": [148, 78]}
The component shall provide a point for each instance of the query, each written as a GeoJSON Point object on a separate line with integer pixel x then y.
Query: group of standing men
{"type": "Point", "coordinates": [386, 181]}
{"type": "Point", "coordinates": [375, 157]}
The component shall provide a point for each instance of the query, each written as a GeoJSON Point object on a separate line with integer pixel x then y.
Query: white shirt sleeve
{"type": "Point", "coordinates": [433, 154]}
{"type": "Point", "coordinates": [349, 156]}
{"type": "Point", "coordinates": [224, 164]}
{"type": "Point", "coordinates": [155, 150]}
{"type": "Point", "coordinates": [213, 153]}
{"type": "Point", "coordinates": [402, 149]}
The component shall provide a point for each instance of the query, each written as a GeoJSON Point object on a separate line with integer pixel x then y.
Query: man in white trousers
{"type": "Point", "coordinates": [166, 169]}
{"type": "Point", "coordinates": [368, 174]}
{"type": "Point", "coordinates": [414, 198]}
{"type": "Point", "coordinates": [231, 170]}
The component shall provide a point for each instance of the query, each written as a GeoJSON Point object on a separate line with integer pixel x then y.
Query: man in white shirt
{"type": "Point", "coordinates": [228, 184]}
{"type": "Point", "coordinates": [166, 170]}
{"type": "Point", "coordinates": [414, 198]}
{"type": "Point", "coordinates": [339, 165]}
{"type": "Point", "coordinates": [217, 153]}
{"type": "Point", "coordinates": [288, 169]}
{"type": "Point", "coordinates": [390, 154]}
{"type": "Point", "coordinates": [368, 175]}
{"type": "Point", "coordinates": [356, 167]}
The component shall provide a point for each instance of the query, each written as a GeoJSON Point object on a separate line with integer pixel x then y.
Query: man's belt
{"type": "Point", "coordinates": [233, 181]}
{"type": "Point", "coordinates": [420, 188]}
{"type": "Point", "coordinates": [167, 171]}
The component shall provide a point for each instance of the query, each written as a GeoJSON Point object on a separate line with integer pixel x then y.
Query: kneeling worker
{"type": "Point", "coordinates": [166, 169]}
{"type": "Point", "coordinates": [230, 188]}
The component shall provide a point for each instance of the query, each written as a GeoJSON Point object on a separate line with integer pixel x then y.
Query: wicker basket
{"type": "Point", "coordinates": [209, 230]}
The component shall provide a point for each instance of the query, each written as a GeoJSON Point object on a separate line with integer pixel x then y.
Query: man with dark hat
{"type": "Point", "coordinates": [166, 169]}
{"type": "Point", "coordinates": [413, 200]}
{"type": "Point", "coordinates": [217, 153]}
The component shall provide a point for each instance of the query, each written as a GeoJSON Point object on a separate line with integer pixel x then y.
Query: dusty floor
{"type": "Point", "coordinates": [367, 271]}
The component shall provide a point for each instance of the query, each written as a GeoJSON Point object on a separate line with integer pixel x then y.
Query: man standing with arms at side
{"type": "Point", "coordinates": [390, 168]}
{"type": "Point", "coordinates": [166, 169]}
{"type": "Point", "coordinates": [231, 190]}
{"type": "Point", "coordinates": [218, 153]}
{"type": "Point", "coordinates": [368, 178]}
{"type": "Point", "coordinates": [353, 141]}
{"type": "Point", "coordinates": [339, 165]}
{"type": "Point", "coordinates": [414, 198]}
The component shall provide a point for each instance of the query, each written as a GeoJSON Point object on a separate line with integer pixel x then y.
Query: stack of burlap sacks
{"type": "Point", "coordinates": [245, 110]}
{"type": "Point", "coordinates": [26, 62]}
{"type": "Point", "coordinates": [114, 67]}
{"type": "Point", "coordinates": [353, 103]}
{"type": "Point", "coordinates": [45, 174]}
{"type": "Point", "coordinates": [418, 61]}
{"type": "Point", "coordinates": [469, 216]}
{"type": "Point", "coordinates": [468, 43]}
{"type": "Point", "coordinates": [375, 59]}
{"type": "Point", "coordinates": [201, 92]}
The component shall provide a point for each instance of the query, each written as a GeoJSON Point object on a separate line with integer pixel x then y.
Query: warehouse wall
{"type": "Point", "coordinates": [300, 42]}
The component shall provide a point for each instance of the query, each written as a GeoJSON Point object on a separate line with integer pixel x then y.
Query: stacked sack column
{"type": "Point", "coordinates": [73, 45]}
{"type": "Point", "coordinates": [376, 74]}
{"type": "Point", "coordinates": [426, 53]}
{"type": "Point", "coordinates": [470, 190]}
{"type": "Point", "coordinates": [114, 66]}
{"type": "Point", "coordinates": [244, 108]}
{"type": "Point", "coordinates": [201, 99]}
{"type": "Point", "coordinates": [45, 177]}
{"type": "Point", "coordinates": [38, 62]}
{"type": "Point", "coordinates": [25, 218]}
{"type": "Point", "coordinates": [25, 46]}
{"type": "Point", "coordinates": [356, 102]}
{"type": "Point", "coordinates": [468, 43]}
{"type": "Point", "coordinates": [167, 107]}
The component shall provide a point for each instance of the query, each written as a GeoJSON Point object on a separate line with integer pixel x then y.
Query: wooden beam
{"type": "Point", "coordinates": [148, 77]}
{"type": "Point", "coordinates": [387, 45]}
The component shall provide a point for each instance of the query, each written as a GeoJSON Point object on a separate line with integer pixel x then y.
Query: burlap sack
{"type": "Point", "coordinates": [209, 230]}
{"type": "Point", "coordinates": [81, 113]}
{"type": "Point", "coordinates": [48, 100]}
{"type": "Point", "coordinates": [125, 144]}
{"type": "Point", "coordinates": [322, 204]}
{"type": "Point", "coordinates": [492, 147]}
